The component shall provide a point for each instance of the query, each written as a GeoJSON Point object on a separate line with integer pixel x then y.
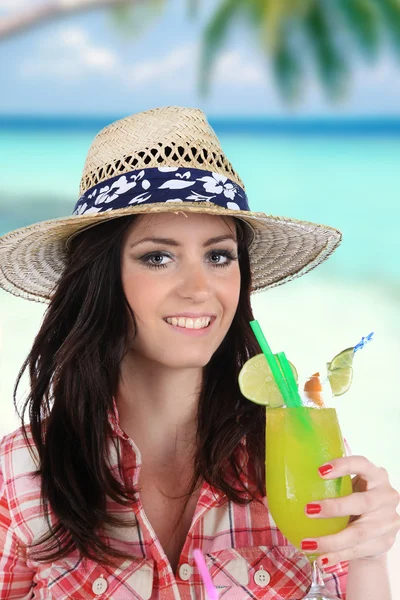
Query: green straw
{"type": "Point", "coordinates": [295, 400]}
{"type": "Point", "coordinates": [276, 372]}
{"type": "Point", "coordinates": [283, 376]}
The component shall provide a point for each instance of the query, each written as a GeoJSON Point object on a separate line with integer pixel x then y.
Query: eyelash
{"type": "Point", "coordinates": [226, 253]}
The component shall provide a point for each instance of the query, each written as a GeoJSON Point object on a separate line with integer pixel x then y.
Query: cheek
{"type": "Point", "coordinates": [230, 292]}
{"type": "Point", "coordinates": [136, 287]}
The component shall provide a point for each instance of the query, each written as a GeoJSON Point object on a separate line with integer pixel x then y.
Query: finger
{"type": "Point", "coordinates": [370, 550]}
{"type": "Point", "coordinates": [354, 465]}
{"type": "Point", "coordinates": [357, 533]}
{"type": "Point", "coordinates": [358, 503]}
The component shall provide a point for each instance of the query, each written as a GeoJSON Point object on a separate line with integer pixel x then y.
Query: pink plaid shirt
{"type": "Point", "coordinates": [246, 554]}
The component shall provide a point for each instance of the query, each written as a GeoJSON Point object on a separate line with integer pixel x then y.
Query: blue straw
{"type": "Point", "coordinates": [363, 342]}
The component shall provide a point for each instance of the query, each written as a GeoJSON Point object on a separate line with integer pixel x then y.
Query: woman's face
{"type": "Point", "coordinates": [181, 277]}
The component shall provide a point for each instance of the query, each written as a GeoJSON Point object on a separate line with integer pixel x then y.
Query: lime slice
{"type": "Point", "coordinates": [343, 359]}
{"type": "Point", "coordinates": [257, 383]}
{"type": "Point", "coordinates": [340, 380]}
{"type": "Point", "coordinates": [340, 372]}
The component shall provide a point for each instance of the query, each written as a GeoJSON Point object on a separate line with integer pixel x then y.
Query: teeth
{"type": "Point", "coordinates": [200, 323]}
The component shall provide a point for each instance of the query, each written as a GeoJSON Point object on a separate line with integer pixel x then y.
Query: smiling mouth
{"type": "Point", "coordinates": [187, 323]}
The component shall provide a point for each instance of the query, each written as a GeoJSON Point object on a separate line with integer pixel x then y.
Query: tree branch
{"type": "Point", "coordinates": [12, 25]}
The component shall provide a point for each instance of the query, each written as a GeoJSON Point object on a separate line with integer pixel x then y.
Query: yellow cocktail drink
{"type": "Point", "coordinates": [298, 441]}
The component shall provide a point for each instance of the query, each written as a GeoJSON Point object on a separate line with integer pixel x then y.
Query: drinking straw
{"type": "Point", "coordinates": [363, 342]}
{"type": "Point", "coordinates": [283, 376]}
{"type": "Point", "coordinates": [295, 400]}
{"type": "Point", "coordinates": [211, 590]}
{"type": "Point", "coordinates": [273, 365]}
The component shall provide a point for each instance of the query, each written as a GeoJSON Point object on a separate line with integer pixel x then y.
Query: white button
{"type": "Point", "coordinates": [185, 572]}
{"type": "Point", "coordinates": [99, 586]}
{"type": "Point", "coordinates": [262, 577]}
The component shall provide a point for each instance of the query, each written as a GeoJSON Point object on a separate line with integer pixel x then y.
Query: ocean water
{"type": "Point", "coordinates": [347, 180]}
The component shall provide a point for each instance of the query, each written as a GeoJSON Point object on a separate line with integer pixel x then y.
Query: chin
{"type": "Point", "coordinates": [187, 362]}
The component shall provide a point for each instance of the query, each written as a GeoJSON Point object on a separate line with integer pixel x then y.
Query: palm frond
{"type": "Point", "coordinates": [133, 19]}
{"type": "Point", "coordinates": [254, 10]}
{"type": "Point", "coordinates": [213, 39]}
{"type": "Point", "coordinates": [287, 66]}
{"type": "Point", "coordinates": [363, 20]}
{"type": "Point", "coordinates": [193, 7]}
{"type": "Point", "coordinates": [120, 13]}
{"type": "Point", "coordinates": [271, 18]}
{"type": "Point", "coordinates": [272, 23]}
{"type": "Point", "coordinates": [331, 65]}
{"type": "Point", "coordinates": [390, 10]}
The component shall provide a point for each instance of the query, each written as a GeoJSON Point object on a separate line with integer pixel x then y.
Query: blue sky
{"type": "Point", "coordinates": [84, 65]}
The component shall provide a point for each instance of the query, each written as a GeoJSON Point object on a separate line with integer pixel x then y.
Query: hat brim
{"type": "Point", "coordinates": [33, 258]}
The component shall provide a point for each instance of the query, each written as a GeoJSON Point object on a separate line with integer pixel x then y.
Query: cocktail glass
{"type": "Point", "coordinates": [298, 441]}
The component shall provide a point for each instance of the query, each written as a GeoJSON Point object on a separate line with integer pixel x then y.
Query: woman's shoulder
{"type": "Point", "coordinates": [18, 453]}
{"type": "Point", "coordinates": [20, 486]}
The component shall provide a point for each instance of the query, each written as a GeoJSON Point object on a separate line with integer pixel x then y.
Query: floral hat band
{"type": "Point", "coordinates": [162, 184]}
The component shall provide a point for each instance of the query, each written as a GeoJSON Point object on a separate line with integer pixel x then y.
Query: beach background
{"type": "Point", "coordinates": [330, 162]}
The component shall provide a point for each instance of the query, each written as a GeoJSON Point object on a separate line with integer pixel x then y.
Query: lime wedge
{"type": "Point", "coordinates": [340, 372]}
{"type": "Point", "coordinates": [343, 359]}
{"type": "Point", "coordinates": [257, 383]}
{"type": "Point", "coordinates": [340, 380]}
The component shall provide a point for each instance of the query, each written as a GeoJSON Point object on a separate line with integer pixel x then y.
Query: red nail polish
{"type": "Point", "coordinates": [313, 508]}
{"type": "Point", "coordinates": [309, 545]}
{"type": "Point", "coordinates": [324, 561]}
{"type": "Point", "coordinates": [325, 469]}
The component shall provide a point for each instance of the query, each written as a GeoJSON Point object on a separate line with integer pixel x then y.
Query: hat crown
{"type": "Point", "coordinates": [170, 136]}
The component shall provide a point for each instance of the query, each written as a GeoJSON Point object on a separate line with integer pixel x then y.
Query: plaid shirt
{"type": "Point", "coordinates": [246, 554]}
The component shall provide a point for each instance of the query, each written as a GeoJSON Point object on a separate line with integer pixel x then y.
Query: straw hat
{"type": "Point", "coordinates": [162, 160]}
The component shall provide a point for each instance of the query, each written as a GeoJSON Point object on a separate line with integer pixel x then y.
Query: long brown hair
{"type": "Point", "coordinates": [74, 368]}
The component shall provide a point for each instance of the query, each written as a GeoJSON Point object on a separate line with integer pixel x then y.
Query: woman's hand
{"type": "Point", "coordinates": [374, 521]}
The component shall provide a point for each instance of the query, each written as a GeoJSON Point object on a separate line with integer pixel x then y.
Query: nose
{"type": "Point", "coordinates": [195, 284]}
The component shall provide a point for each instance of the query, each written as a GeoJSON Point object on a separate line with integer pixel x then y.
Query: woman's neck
{"type": "Point", "coordinates": [158, 407]}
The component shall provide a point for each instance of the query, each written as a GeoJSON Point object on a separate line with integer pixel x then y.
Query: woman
{"type": "Point", "coordinates": [142, 445]}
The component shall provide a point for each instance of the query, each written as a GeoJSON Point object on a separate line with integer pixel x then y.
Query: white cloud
{"type": "Point", "coordinates": [69, 55]}
{"type": "Point", "coordinates": [8, 5]}
{"type": "Point", "coordinates": [179, 70]}
{"type": "Point", "coordinates": [180, 62]}
{"type": "Point", "coordinates": [73, 37]}
{"type": "Point", "coordinates": [235, 67]}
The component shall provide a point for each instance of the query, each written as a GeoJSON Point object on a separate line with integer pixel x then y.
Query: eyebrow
{"type": "Point", "coordinates": [172, 242]}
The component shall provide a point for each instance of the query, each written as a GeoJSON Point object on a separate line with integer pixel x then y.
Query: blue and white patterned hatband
{"type": "Point", "coordinates": [162, 184]}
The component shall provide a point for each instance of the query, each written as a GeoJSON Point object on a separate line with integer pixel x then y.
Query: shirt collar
{"type": "Point", "coordinates": [113, 420]}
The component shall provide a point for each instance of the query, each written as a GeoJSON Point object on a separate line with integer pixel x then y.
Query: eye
{"type": "Point", "coordinates": [217, 258]}
{"type": "Point", "coordinates": [221, 258]}
{"type": "Point", "coordinates": [156, 259]}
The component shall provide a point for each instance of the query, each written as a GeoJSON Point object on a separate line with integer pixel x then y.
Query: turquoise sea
{"type": "Point", "coordinates": [342, 174]}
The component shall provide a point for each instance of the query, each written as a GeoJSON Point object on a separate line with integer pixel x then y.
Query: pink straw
{"type": "Point", "coordinates": [205, 575]}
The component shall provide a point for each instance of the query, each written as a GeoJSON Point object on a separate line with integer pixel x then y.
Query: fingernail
{"type": "Point", "coordinates": [325, 469]}
{"type": "Point", "coordinates": [313, 509]}
{"type": "Point", "coordinates": [309, 545]}
{"type": "Point", "coordinates": [324, 561]}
